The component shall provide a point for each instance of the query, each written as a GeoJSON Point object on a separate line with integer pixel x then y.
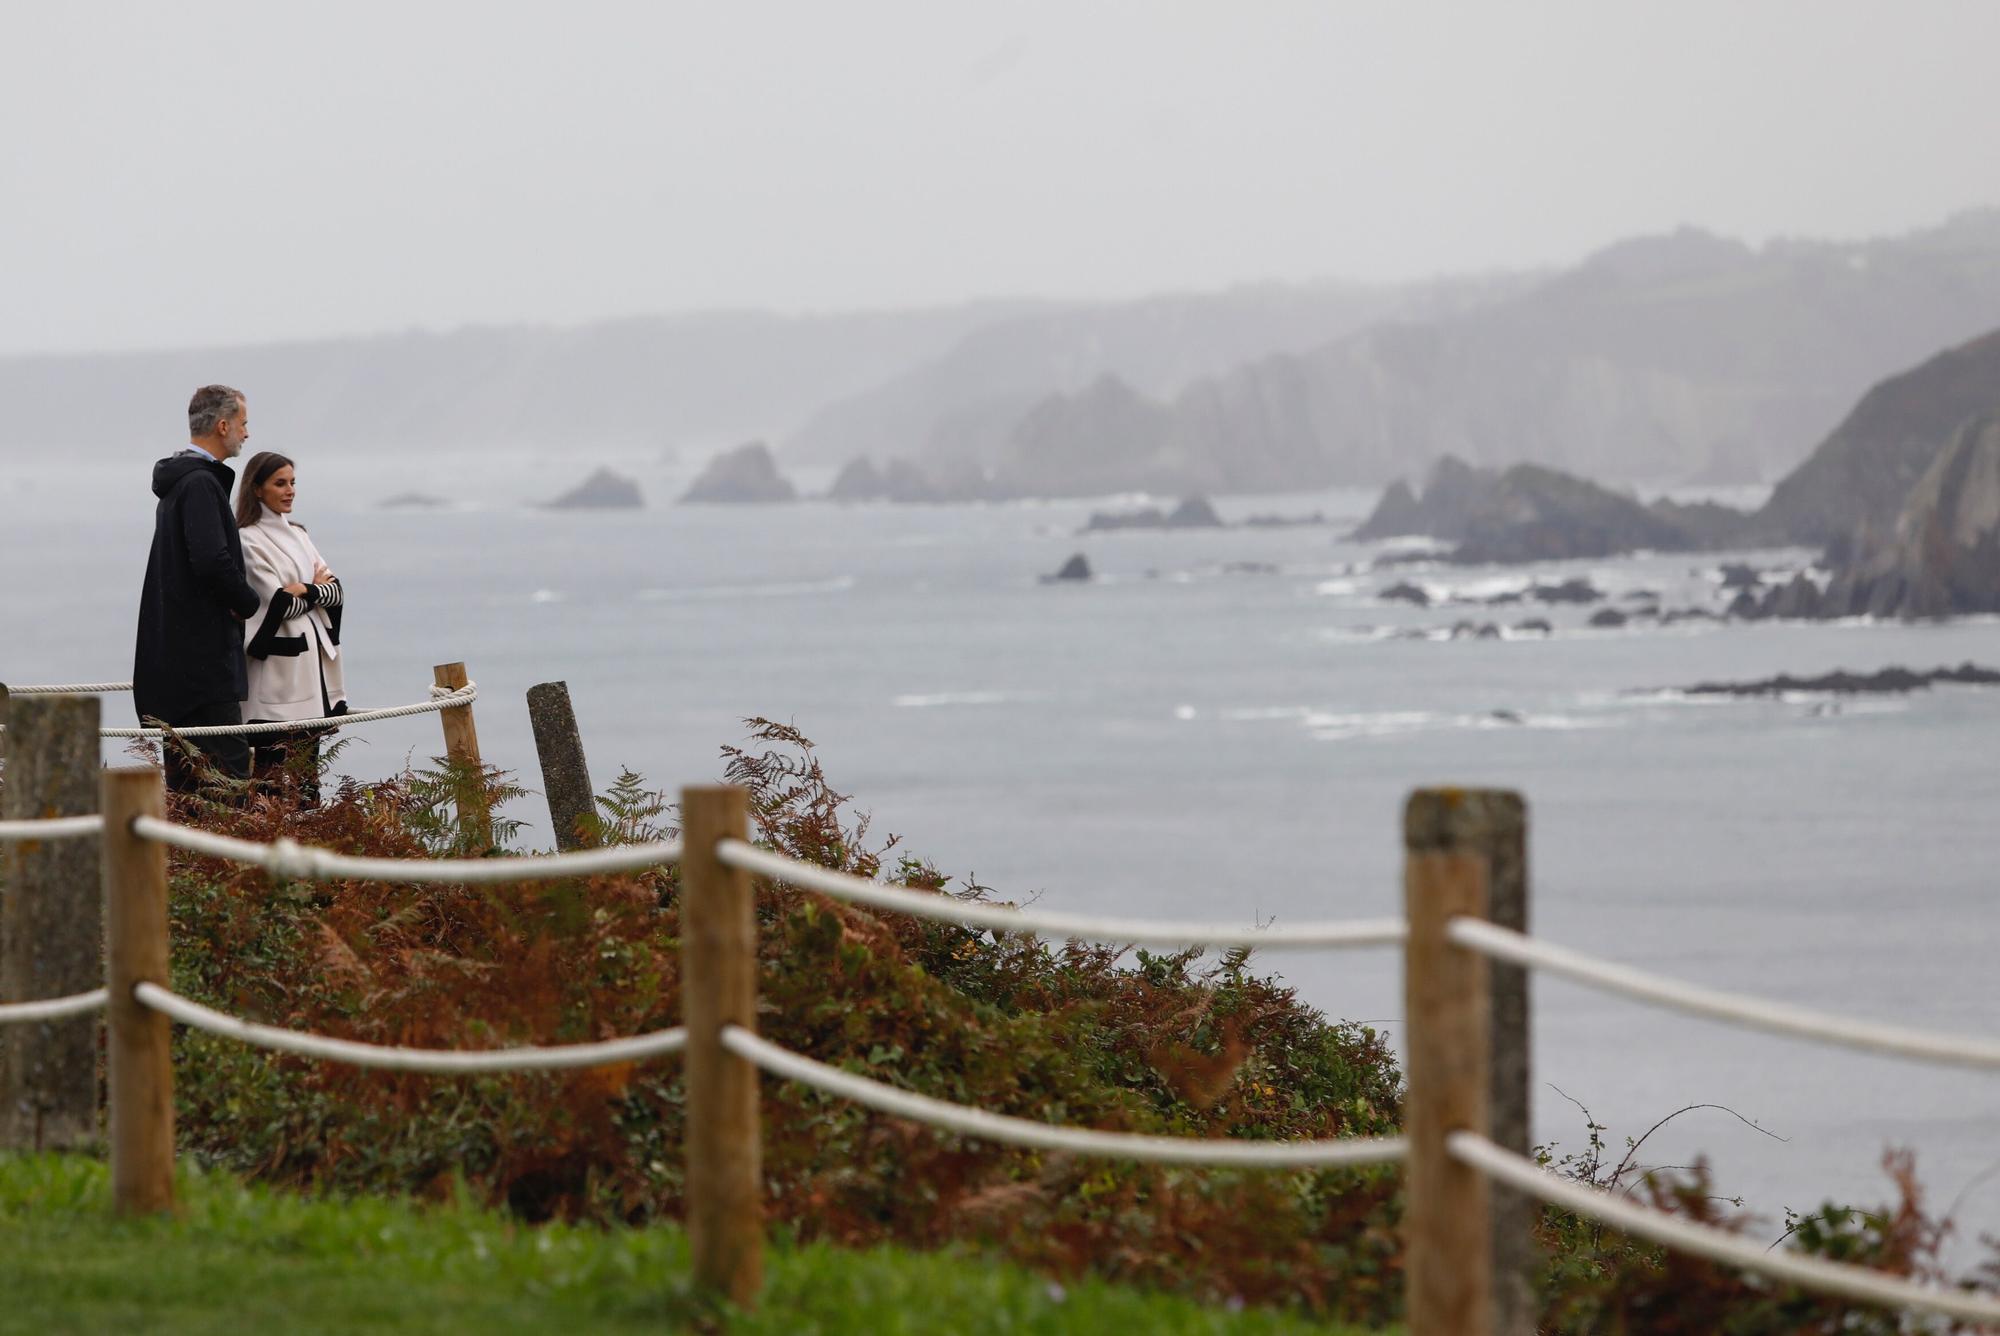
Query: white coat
{"type": "Point", "coordinates": [292, 645]}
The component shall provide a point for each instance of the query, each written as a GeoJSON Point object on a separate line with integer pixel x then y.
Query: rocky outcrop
{"type": "Point", "coordinates": [1193, 513]}
{"type": "Point", "coordinates": [1944, 557]}
{"type": "Point", "coordinates": [899, 480]}
{"type": "Point", "coordinates": [602, 490]}
{"type": "Point", "coordinates": [1530, 513]}
{"type": "Point", "coordinates": [1076, 568]}
{"type": "Point", "coordinates": [1539, 514]}
{"type": "Point", "coordinates": [1687, 355]}
{"type": "Point", "coordinates": [746, 475]}
{"type": "Point", "coordinates": [1851, 492]}
{"type": "Point", "coordinates": [1454, 494]}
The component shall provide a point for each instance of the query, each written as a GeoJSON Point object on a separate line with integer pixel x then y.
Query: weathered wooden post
{"type": "Point", "coordinates": [51, 934]}
{"type": "Point", "coordinates": [725, 1216]}
{"type": "Point", "coordinates": [461, 744]}
{"type": "Point", "coordinates": [565, 774]}
{"type": "Point", "coordinates": [1448, 1221]}
{"type": "Point", "coordinates": [140, 1043]}
{"type": "Point", "coordinates": [1496, 823]}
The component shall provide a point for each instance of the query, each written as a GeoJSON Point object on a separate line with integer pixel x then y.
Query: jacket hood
{"type": "Point", "coordinates": [169, 472]}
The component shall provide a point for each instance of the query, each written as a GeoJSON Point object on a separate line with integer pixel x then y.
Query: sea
{"type": "Point", "coordinates": [1221, 724]}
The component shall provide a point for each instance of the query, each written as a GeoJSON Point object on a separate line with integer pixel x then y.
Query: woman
{"type": "Point", "coordinates": [292, 643]}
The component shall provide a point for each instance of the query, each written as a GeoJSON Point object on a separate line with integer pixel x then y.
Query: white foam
{"type": "Point", "coordinates": [778, 589]}
{"type": "Point", "coordinates": [930, 700]}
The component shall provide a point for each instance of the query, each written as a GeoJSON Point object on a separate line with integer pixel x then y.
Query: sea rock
{"type": "Point", "coordinates": [1574, 590]}
{"type": "Point", "coordinates": [602, 490]}
{"type": "Point", "coordinates": [1193, 513]}
{"type": "Point", "coordinates": [1608, 617]}
{"type": "Point", "coordinates": [1793, 601]}
{"type": "Point", "coordinates": [899, 481]}
{"type": "Point", "coordinates": [1744, 607]}
{"type": "Point", "coordinates": [1076, 568]}
{"type": "Point", "coordinates": [1454, 493]}
{"type": "Point", "coordinates": [1541, 514]}
{"type": "Point", "coordinates": [1317, 519]}
{"type": "Point", "coordinates": [746, 475]}
{"type": "Point", "coordinates": [1535, 626]}
{"type": "Point", "coordinates": [1741, 575]}
{"type": "Point", "coordinates": [1406, 592]}
{"type": "Point", "coordinates": [1889, 681]}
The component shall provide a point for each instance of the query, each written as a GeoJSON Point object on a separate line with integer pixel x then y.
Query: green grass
{"type": "Point", "coordinates": [243, 1259]}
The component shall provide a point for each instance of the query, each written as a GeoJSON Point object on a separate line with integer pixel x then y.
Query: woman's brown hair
{"type": "Point", "coordinates": [255, 474]}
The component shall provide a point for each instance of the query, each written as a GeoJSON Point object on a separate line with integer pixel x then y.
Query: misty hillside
{"type": "Point", "coordinates": [1676, 358]}
{"type": "Point", "coordinates": [961, 406]}
{"type": "Point", "coordinates": [685, 381]}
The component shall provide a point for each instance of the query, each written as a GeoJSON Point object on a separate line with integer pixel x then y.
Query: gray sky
{"type": "Point", "coordinates": [204, 172]}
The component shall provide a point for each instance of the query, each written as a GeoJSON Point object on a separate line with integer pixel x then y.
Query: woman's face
{"type": "Point", "coordinates": [276, 493]}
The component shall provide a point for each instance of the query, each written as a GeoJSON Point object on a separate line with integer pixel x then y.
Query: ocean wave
{"type": "Point", "coordinates": [933, 699]}
{"type": "Point", "coordinates": [776, 589]}
{"type": "Point", "coordinates": [1326, 725]}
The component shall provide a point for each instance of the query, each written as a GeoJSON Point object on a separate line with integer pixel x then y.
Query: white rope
{"type": "Point", "coordinates": [1628, 1217]}
{"type": "Point", "coordinates": [51, 828]}
{"type": "Point", "coordinates": [73, 689]}
{"type": "Point", "coordinates": [1025, 1132]}
{"type": "Point", "coordinates": [1780, 1018]}
{"type": "Point", "coordinates": [1157, 932]}
{"type": "Point", "coordinates": [54, 1008]}
{"type": "Point", "coordinates": [289, 860]}
{"type": "Point", "coordinates": [442, 698]}
{"type": "Point", "coordinates": [526, 1058]}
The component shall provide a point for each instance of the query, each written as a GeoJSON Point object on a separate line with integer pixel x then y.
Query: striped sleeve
{"type": "Point", "coordinates": [326, 595]}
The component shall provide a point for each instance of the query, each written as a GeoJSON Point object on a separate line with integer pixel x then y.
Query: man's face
{"type": "Point", "coordinates": [234, 430]}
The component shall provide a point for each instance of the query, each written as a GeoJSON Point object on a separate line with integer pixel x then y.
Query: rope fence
{"type": "Point", "coordinates": [973, 1122]}
{"type": "Point", "coordinates": [72, 689]}
{"type": "Point", "coordinates": [288, 860]}
{"type": "Point", "coordinates": [456, 1062]}
{"type": "Point", "coordinates": [54, 1008]}
{"type": "Point", "coordinates": [1003, 919]}
{"type": "Point", "coordinates": [1895, 1041]}
{"type": "Point", "coordinates": [1717, 1245]}
{"type": "Point", "coordinates": [50, 828]}
{"type": "Point", "coordinates": [1465, 1051]}
{"type": "Point", "coordinates": [442, 698]}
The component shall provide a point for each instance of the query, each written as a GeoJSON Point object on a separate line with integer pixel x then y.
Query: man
{"type": "Point", "coordinates": [188, 669]}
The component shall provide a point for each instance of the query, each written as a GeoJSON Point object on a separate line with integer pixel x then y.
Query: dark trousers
{"type": "Point", "coordinates": [297, 751]}
{"type": "Point", "coordinates": [229, 753]}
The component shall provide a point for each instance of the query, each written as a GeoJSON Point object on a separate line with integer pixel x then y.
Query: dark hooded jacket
{"type": "Point", "coordinates": [190, 647]}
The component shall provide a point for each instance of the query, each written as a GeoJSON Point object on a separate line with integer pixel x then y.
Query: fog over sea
{"type": "Point", "coordinates": [1223, 725]}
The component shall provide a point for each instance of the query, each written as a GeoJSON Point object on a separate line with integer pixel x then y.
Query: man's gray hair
{"type": "Point", "coordinates": [211, 404]}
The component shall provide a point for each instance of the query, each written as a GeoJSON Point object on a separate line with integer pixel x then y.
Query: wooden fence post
{"type": "Point", "coordinates": [1496, 823]}
{"type": "Point", "coordinates": [461, 744]}
{"type": "Point", "coordinates": [725, 1212]}
{"type": "Point", "coordinates": [1448, 1222]}
{"type": "Point", "coordinates": [565, 774]}
{"type": "Point", "coordinates": [140, 1039]}
{"type": "Point", "coordinates": [51, 938]}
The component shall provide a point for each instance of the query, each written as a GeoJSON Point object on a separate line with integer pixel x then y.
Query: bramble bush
{"type": "Point", "coordinates": [1081, 1034]}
